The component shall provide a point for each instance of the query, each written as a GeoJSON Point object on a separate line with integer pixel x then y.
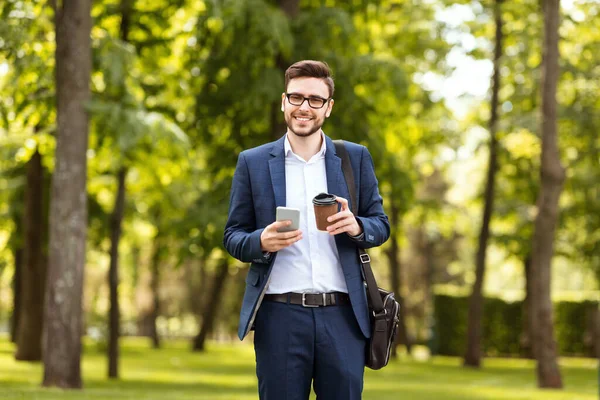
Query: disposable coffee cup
{"type": "Point", "coordinates": [325, 205]}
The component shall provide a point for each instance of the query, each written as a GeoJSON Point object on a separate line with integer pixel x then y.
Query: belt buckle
{"type": "Point", "coordinates": [364, 258]}
{"type": "Point", "coordinates": [309, 305]}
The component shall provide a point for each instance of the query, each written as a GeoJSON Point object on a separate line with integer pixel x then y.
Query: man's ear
{"type": "Point", "coordinates": [329, 107]}
{"type": "Point", "coordinates": [282, 101]}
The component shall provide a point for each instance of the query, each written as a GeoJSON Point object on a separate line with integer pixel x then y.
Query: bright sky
{"type": "Point", "coordinates": [471, 77]}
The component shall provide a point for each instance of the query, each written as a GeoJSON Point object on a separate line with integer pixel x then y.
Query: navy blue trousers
{"type": "Point", "coordinates": [296, 346]}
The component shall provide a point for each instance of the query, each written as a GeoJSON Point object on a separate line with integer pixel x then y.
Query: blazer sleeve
{"type": "Point", "coordinates": [241, 238]}
{"type": "Point", "coordinates": [375, 224]}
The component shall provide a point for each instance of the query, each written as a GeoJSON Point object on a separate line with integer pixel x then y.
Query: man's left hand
{"type": "Point", "coordinates": [344, 220]}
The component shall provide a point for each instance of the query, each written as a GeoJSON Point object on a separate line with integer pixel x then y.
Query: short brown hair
{"type": "Point", "coordinates": [310, 69]}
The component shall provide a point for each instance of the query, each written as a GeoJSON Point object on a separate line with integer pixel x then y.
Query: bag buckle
{"type": "Point", "coordinates": [310, 305]}
{"type": "Point", "coordinates": [364, 258]}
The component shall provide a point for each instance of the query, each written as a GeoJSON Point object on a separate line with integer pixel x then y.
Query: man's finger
{"type": "Point", "coordinates": [339, 225]}
{"type": "Point", "coordinates": [340, 215]}
{"type": "Point", "coordinates": [281, 224]}
{"type": "Point", "coordinates": [343, 202]}
{"type": "Point", "coordinates": [287, 235]}
{"type": "Point", "coordinates": [286, 242]}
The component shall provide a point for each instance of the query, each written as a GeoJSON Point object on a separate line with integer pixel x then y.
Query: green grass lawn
{"type": "Point", "coordinates": [227, 372]}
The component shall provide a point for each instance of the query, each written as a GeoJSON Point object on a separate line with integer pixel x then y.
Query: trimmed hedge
{"type": "Point", "coordinates": [503, 326]}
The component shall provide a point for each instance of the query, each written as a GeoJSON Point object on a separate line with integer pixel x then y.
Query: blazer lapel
{"type": "Point", "coordinates": [277, 171]}
{"type": "Point", "coordinates": [336, 183]}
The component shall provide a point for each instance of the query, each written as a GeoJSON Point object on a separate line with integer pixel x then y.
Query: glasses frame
{"type": "Point", "coordinates": [287, 95]}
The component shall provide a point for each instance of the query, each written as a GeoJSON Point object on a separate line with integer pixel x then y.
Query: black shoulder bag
{"type": "Point", "coordinates": [383, 307]}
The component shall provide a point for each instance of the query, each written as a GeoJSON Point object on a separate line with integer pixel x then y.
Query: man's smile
{"type": "Point", "coordinates": [302, 119]}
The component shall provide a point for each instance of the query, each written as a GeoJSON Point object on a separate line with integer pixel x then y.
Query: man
{"type": "Point", "coordinates": [301, 337]}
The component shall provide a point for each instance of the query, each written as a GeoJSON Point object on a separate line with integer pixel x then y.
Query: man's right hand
{"type": "Point", "coordinates": [272, 241]}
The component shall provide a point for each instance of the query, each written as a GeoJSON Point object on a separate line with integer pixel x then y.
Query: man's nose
{"type": "Point", "coordinates": [304, 106]}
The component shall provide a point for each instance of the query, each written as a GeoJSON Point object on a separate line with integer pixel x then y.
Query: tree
{"type": "Point", "coordinates": [26, 120]}
{"type": "Point", "coordinates": [394, 263]}
{"type": "Point", "coordinates": [475, 324]}
{"type": "Point", "coordinates": [14, 318]}
{"type": "Point", "coordinates": [113, 276]}
{"type": "Point", "coordinates": [552, 178]}
{"type": "Point", "coordinates": [154, 286]}
{"type": "Point", "coordinates": [68, 209]}
{"type": "Point", "coordinates": [518, 155]}
{"type": "Point", "coordinates": [212, 303]}
{"type": "Point", "coordinates": [115, 234]}
{"type": "Point", "coordinates": [32, 278]}
{"type": "Point", "coordinates": [118, 108]}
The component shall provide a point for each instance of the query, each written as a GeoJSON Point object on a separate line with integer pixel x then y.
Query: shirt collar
{"type": "Point", "coordinates": [287, 147]}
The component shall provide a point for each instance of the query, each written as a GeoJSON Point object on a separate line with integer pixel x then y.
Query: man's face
{"type": "Point", "coordinates": [303, 120]}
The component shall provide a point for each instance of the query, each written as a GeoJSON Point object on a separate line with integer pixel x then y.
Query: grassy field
{"type": "Point", "coordinates": [227, 372]}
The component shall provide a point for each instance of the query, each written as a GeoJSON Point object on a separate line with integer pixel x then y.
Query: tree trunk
{"type": "Point", "coordinates": [113, 276]}
{"type": "Point", "coordinates": [33, 271]}
{"type": "Point", "coordinates": [115, 238]}
{"type": "Point", "coordinates": [14, 319]}
{"type": "Point", "coordinates": [475, 316]}
{"type": "Point", "coordinates": [198, 292]}
{"type": "Point", "coordinates": [200, 299]}
{"type": "Point", "coordinates": [68, 205]}
{"type": "Point", "coordinates": [527, 335]}
{"type": "Point", "coordinates": [393, 255]}
{"type": "Point", "coordinates": [211, 305]}
{"type": "Point", "coordinates": [154, 286]}
{"type": "Point", "coordinates": [195, 275]}
{"type": "Point", "coordinates": [594, 329]}
{"type": "Point", "coordinates": [429, 306]}
{"type": "Point", "coordinates": [552, 178]}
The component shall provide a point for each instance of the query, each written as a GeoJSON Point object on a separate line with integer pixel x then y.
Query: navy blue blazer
{"type": "Point", "coordinates": [258, 187]}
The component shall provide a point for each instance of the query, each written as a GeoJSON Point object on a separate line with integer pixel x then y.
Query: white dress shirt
{"type": "Point", "coordinates": [312, 264]}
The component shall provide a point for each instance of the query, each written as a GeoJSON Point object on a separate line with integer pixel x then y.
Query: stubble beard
{"type": "Point", "coordinates": [314, 129]}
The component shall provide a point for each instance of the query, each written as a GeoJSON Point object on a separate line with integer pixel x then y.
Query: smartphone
{"type": "Point", "coordinates": [288, 213]}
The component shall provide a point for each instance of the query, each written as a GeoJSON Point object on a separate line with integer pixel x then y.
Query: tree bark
{"type": "Point", "coordinates": [200, 299]}
{"type": "Point", "coordinates": [198, 292]}
{"type": "Point", "coordinates": [475, 324]}
{"type": "Point", "coordinates": [211, 305]}
{"type": "Point", "coordinates": [33, 271]}
{"type": "Point", "coordinates": [14, 319]}
{"type": "Point", "coordinates": [527, 334]}
{"type": "Point", "coordinates": [154, 286]}
{"type": "Point", "coordinates": [68, 205]}
{"type": "Point", "coordinates": [552, 178]}
{"type": "Point", "coordinates": [113, 276]}
{"type": "Point", "coordinates": [395, 265]}
{"type": "Point", "coordinates": [429, 280]}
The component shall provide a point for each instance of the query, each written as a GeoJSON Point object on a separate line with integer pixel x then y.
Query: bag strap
{"type": "Point", "coordinates": [365, 260]}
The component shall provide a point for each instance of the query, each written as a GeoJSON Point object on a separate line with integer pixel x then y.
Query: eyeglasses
{"type": "Point", "coordinates": [313, 101]}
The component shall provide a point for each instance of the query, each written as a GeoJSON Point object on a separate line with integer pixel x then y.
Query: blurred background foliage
{"type": "Point", "coordinates": [181, 87]}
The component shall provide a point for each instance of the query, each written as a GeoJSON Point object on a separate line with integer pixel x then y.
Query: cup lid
{"type": "Point", "coordinates": [324, 199]}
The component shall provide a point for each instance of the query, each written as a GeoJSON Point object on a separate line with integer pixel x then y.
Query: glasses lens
{"type": "Point", "coordinates": [295, 99]}
{"type": "Point", "coordinates": [316, 102]}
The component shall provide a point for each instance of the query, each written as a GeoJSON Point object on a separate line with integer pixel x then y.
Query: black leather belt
{"type": "Point", "coordinates": [310, 299]}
